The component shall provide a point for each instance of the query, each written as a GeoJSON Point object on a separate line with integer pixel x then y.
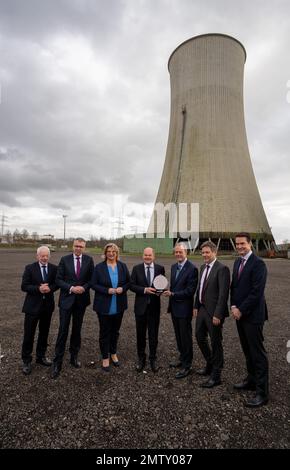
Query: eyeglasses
{"type": "Point", "coordinates": [79, 246]}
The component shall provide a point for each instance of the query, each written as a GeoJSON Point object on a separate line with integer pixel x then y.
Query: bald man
{"type": "Point", "coordinates": [38, 281]}
{"type": "Point", "coordinates": [146, 307]}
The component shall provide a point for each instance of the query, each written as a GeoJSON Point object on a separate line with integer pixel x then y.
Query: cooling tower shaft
{"type": "Point", "coordinates": [207, 158]}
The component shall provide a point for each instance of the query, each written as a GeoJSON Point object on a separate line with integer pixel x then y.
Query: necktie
{"type": "Point", "coordinates": [44, 272]}
{"type": "Point", "coordinates": [179, 268]}
{"type": "Point", "coordinates": [148, 276]}
{"type": "Point", "coordinates": [241, 267]}
{"type": "Point", "coordinates": [204, 284]}
{"type": "Point", "coordinates": [78, 270]}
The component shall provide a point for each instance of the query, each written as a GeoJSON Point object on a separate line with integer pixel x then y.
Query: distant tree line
{"type": "Point", "coordinates": [24, 238]}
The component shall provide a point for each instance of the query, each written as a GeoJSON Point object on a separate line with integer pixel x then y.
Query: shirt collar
{"type": "Point", "coordinates": [75, 257]}
{"type": "Point", "coordinates": [211, 264]}
{"type": "Point", "coordinates": [151, 265]}
{"type": "Point", "coordinates": [182, 264]}
{"type": "Point", "coordinates": [42, 264]}
{"type": "Point", "coordinates": [247, 256]}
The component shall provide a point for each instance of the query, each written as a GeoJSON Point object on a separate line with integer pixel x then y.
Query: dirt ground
{"type": "Point", "coordinates": [90, 409]}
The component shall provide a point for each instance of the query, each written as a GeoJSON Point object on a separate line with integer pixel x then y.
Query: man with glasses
{"type": "Point", "coordinates": [73, 277]}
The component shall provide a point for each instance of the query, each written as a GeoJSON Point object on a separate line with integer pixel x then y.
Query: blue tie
{"type": "Point", "coordinates": [179, 268]}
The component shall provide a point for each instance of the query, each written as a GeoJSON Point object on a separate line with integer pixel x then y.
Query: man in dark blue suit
{"type": "Point", "coordinates": [38, 282]}
{"type": "Point", "coordinates": [249, 309]}
{"type": "Point", "coordinates": [183, 283]}
{"type": "Point", "coordinates": [73, 277]}
{"type": "Point", "coordinates": [146, 307]}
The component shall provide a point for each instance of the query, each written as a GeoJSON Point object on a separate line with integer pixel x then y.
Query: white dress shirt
{"type": "Point", "coordinates": [203, 280]}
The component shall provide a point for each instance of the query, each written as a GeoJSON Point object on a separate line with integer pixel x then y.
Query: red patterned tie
{"type": "Point", "coordinates": [241, 267]}
{"type": "Point", "coordinates": [78, 270]}
{"type": "Point", "coordinates": [204, 284]}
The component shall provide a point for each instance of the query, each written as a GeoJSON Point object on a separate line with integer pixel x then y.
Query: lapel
{"type": "Point", "coordinates": [211, 274]}
{"type": "Point", "coordinates": [181, 274]}
{"type": "Point", "coordinates": [83, 263]}
{"type": "Point", "coordinates": [48, 268]}
{"type": "Point", "coordinates": [202, 268]}
{"type": "Point", "coordinates": [120, 272]}
{"type": "Point", "coordinates": [154, 272]}
{"type": "Point", "coordinates": [71, 263]}
{"type": "Point", "coordinates": [236, 269]}
{"type": "Point", "coordinates": [106, 273]}
{"type": "Point", "coordinates": [246, 266]}
{"type": "Point", "coordinates": [212, 271]}
{"type": "Point", "coordinates": [144, 275]}
{"type": "Point", "coordinates": [173, 274]}
{"type": "Point", "coordinates": [39, 273]}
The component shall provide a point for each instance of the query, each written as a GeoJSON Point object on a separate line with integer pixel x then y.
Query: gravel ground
{"type": "Point", "coordinates": [89, 409]}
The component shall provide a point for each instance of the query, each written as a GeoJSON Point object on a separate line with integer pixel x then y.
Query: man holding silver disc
{"type": "Point", "coordinates": [147, 306]}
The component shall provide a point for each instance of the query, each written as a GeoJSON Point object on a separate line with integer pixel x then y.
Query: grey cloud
{"type": "Point", "coordinates": [9, 200]}
{"type": "Point", "coordinates": [60, 205]}
{"type": "Point", "coordinates": [88, 218]}
{"type": "Point", "coordinates": [36, 19]}
{"type": "Point", "coordinates": [85, 96]}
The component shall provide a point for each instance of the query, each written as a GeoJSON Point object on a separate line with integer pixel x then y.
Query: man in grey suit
{"type": "Point", "coordinates": [210, 310]}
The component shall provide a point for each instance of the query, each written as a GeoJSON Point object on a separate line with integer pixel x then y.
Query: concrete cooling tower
{"type": "Point", "coordinates": [207, 158]}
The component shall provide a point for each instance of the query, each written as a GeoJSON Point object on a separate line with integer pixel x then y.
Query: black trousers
{"type": "Point", "coordinates": [251, 338]}
{"type": "Point", "coordinates": [109, 333]}
{"type": "Point", "coordinates": [183, 334]}
{"type": "Point", "coordinates": [77, 314]}
{"type": "Point", "coordinates": [213, 355]}
{"type": "Point", "coordinates": [43, 320]}
{"type": "Point", "coordinates": [148, 321]}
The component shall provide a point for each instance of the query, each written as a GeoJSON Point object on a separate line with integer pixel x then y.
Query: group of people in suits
{"type": "Point", "coordinates": [204, 297]}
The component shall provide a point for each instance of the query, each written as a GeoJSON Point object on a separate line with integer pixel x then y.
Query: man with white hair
{"type": "Point", "coordinates": [38, 281]}
{"type": "Point", "coordinates": [183, 283]}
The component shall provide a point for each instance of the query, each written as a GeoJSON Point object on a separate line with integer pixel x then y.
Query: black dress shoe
{"type": "Point", "coordinates": [75, 363]}
{"type": "Point", "coordinates": [175, 365]}
{"type": "Point", "coordinates": [210, 383]}
{"type": "Point", "coordinates": [182, 373]}
{"type": "Point", "coordinates": [140, 365]}
{"type": "Point", "coordinates": [55, 371]}
{"type": "Point", "coordinates": [204, 371]}
{"type": "Point", "coordinates": [26, 368]}
{"type": "Point", "coordinates": [115, 363]}
{"type": "Point", "coordinates": [154, 366]}
{"type": "Point", "coordinates": [258, 400]}
{"type": "Point", "coordinates": [106, 368]}
{"type": "Point", "coordinates": [245, 385]}
{"type": "Point", "coordinates": [43, 361]}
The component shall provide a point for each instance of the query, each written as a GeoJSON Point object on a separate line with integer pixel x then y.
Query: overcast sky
{"type": "Point", "coordinates": [85, 100]}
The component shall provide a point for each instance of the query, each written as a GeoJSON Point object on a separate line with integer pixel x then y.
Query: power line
{"type": "Point", "coordinates": [4, 218]}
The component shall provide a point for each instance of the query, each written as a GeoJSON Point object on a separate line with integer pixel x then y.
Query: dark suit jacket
{"type": "Point", "coordinates": [101, 283]}
{"type": "Point", "coordinates": [184, 287]}
{"type": "Point", "coordinates": [66, 278]}
{"type": "Point", "coordinates": [31, 280]}
{"type": "Point", "coordinates": [138, 284]}
{"type": "Point", "coordinates": [216, 292]}
{"type": "Point", "coordinates": [247, 292]}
